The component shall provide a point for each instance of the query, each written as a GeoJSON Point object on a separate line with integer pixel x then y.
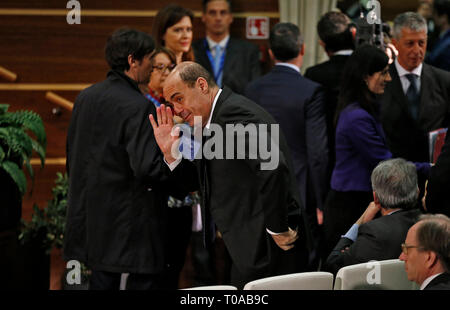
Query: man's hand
{"type": "Point", "coordinates": [369, 214]}
{"type": "Point", "coordinates": [319, 214]}
{"type": "Point", "coordinates": [286, 240]}
{"type": "Point", "coordinates": [163, 133]}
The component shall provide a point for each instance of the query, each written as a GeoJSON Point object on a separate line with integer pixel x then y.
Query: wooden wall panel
{"type": "Point", "coordinates": [238, 5]}
{"type": "Point", "coordinates": [55, 125]}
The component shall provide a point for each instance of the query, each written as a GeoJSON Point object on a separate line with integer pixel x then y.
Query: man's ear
{"type": "Point", "coordinates": [431, 259]}
{"type": "Point", "coordinates": [131, 61]}
{"type": "Point", "coordinates": [302, 49]}
{"type": "Point", "coordinates": [394, 42]}
{"type": "Point", "coordinates": [203, 85]}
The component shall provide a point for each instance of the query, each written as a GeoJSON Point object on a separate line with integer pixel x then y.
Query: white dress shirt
{"type": "Point", "coordinates": [402, 72]}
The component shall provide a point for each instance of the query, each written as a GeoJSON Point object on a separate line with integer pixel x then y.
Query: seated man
{"type": "Point", "coordinates": [426, 252]}
{"type": "Point", "coordinates": [395, 192]}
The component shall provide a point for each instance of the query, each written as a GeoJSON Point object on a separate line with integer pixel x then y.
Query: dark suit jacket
{"type": "Point", "coordinates": [441, 282]}
{"type": "Point", "coordinates": [117, 200]}
{"type": "Point", "coordinates": [241, 63]}
{"type": "Point", "coordinates": [379, 239]}
{"type": "Point", "coordinates": [244, 200]}
{"type": "Point", "coordinates": [405, 137]}
{"type": "Point", "coordinates": [329, 74]}
{"type": "Point", "coordinates": [297, 104]}
{"type": "Point", "coordinates": [438, 189]}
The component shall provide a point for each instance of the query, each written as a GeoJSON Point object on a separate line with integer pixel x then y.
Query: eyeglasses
{"type": "Point", "coordinates": [405, 248]}
{"type": "Point", "coordinates": [162, 68]}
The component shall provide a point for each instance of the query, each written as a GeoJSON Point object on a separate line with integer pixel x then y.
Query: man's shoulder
{"type": "Point", "coordinates": [437, 73]}
{"type": "Point", "coordinates": [385, 224]}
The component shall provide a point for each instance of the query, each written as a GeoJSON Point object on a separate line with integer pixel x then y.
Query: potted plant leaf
{"type": "Point", "coordinates": [21, 133]}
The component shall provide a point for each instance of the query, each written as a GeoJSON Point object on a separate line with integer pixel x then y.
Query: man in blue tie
{"type": "Point", "coordinates": [231, 61]}
{"type": "Point", "coordinates": [418, 98]}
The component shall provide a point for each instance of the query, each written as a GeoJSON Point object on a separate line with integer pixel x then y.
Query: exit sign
{"type": "Point", "coordinates": [257, 27]}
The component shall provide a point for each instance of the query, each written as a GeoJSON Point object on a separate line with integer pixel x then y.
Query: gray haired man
{"type": "Point", "coordinates": [418, 98]}
{"type": "Point", "coordinates": [426, 252]}
{"type": "Point", "coordinates": [395, 191]}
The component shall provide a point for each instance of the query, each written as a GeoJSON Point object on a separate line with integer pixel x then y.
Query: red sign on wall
{"type": "Point", "coordinates": [257, 27]}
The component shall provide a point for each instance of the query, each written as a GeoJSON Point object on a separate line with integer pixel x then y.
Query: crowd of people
{"type": "Point", "coordinates": [349, 138]}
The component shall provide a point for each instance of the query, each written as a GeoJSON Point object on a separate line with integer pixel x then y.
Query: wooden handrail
{"type": "Point", "coordinates": [8, 75]}
{"type": "Point", "coordinates": [52, 97]}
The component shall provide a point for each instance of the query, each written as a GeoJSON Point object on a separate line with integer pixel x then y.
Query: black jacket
{"type": "Point", "coordinates": [241, 63]}
{"type": "Point", "coordinates": [301, 115]}
{"type": "Point", "coordinates": [441, 282]}
{"type": "Point", "coordinates": [379, 239]}
{"type": "Point", "coordinates": [118, 181]}
{"type": "Point", "coordinates": [406, 137]}
{"type": "Point", "coordinates": [438, 189]}
{"type": "Point", "coordinates": [244, 200]}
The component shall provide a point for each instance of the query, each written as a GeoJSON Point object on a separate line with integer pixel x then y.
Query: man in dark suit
{"type": "Point", "coordinates": [426, 252]}
{"type": "Point", "coordinates": [250, 196]}
{"type": "Point", "coordinates": [297, 104]}
{"type": "Point", "coordinates": [395, 192]}
{"type": "Point", "coordinates": [418, 98]}
{"type": "Point", "coordinates": [337, 39]}
{"type": "Point", "coordinates": [232, 62]}
{"type": "Point", "coordinates": [117, 199]}
{"type": "Point", "coordinates": [437, 199]}
{"type": "Point", "coordinates": [439, 56]}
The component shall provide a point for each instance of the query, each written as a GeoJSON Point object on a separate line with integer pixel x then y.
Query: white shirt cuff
{"type": "Point", "coordinates": [272, 233]}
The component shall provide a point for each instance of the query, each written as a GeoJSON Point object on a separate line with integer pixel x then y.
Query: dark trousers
{"type": "Point", "coordinates": [342, 210]}
{"type": "Point", "coordinates": [281, 262]}
{"type": "Point", "coordinates": [110, 281]}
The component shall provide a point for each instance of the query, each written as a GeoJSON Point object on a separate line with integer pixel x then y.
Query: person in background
{"type": "Point", "coordinates": [172, 28]}
{"type": "Point", "coordinates": [117, 219]}
{"type": "Point", "coordinates": [439, 56]}
{"type": "Point", "coordinates": [297, 104]}
{"type": "Point", "coordinates": [395, 192]}
{"type": "Point", "coordinates": [360, 141]}
{"type": "Point", "coordinates": [334, 29]}
{"type": "Point", "coordinates": [417, 100]}
{"type": "Point", "coordinates": [426, 252]}
{"type": "Point", "coordinates": [232, 62]}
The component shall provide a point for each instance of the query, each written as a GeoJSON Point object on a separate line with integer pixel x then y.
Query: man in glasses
{"type": "Point", "coordinates": [426, 252]}
{"type": "Point", "coordinates": [395, 192]}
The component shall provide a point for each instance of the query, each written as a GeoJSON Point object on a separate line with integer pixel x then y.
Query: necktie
{"type": "Point", "coordinates": [217, 60]}
{"type": "Point", "coordinates": [413, 96]}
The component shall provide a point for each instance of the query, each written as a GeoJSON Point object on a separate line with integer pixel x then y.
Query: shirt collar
{"type": "Point", "coordinates": [428, 280]}
{"type": "Point", "coordinates": [343, 53]}
{"type": "Point", "coordinates": [222, 43]}
{"type": "Point", "coordinates": [402, 71]}
{"type": "Point", "coordinates": [208, 124]}
{"type": "Point", "coordinates": [288, 65]}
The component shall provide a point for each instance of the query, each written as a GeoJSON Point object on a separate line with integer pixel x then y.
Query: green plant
{"type": "Point", "coordinates": [49, 222]}
{"type": "Point", "coordinates": [16, 145]}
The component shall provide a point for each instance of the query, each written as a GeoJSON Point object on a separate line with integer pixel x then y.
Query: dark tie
{"type": "Point", "coordinates": [413, 96]}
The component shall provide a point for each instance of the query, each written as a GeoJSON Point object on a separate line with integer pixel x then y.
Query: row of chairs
{"type": "Point", "coordinates": [382, 275]}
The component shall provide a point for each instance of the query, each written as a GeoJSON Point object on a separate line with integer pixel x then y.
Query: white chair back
{"type": "Point", "coordinates": [375, 275]}
{"type": "Point", "coordinates": [296, 281]}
